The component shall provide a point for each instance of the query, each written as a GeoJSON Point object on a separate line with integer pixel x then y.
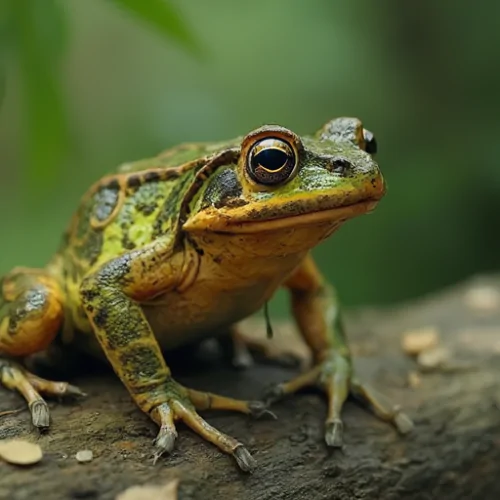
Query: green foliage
{"type": "Point", "coordinates": [33, 37]}
{"type": "Point", "coordinates": [162, 16]}
{"type": "Point", "coordinates": [38, 30]}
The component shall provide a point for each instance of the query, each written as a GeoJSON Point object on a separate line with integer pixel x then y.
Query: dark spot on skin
{"type": "Point", "coordinates": [113, 184]}
{"type": "Point", "coordinates": [235, 202]}
{"type": "Point", "coordinates": [100, 317]}
{"type": "Point", "coordinates": [127, 243]}
{"type": "Point", "coordinates": [89, 294]}
{"type": "Point", "coordinates": [145, 208]}
{"type": "Point", "coordinates": [224, 189]}
{"type": "Point", "coordinates": [152, 176]}
{"type": "Point", "coordinates": [147, 198]}
{"type": "Point", "coordinates": [217, 259]}
{"type": "Point", "coordinates": [134, 181]}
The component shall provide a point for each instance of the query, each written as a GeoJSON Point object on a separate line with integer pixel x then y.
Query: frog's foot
{"type": "Point", "coordinates": [14, 376]}
{"type": "Point", "coordinates": [242, 348]}
{"type": "Point", "coordinates": [334, 376]}
{"type": "Point", "coordinates": [183, 407]}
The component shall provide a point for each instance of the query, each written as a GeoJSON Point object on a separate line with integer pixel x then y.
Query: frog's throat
{"type": "Point", "coordinates": [214, 223]}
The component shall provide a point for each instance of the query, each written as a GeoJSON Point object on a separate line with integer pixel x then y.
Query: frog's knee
{"type": "Point", "coordinates": [31, 314]}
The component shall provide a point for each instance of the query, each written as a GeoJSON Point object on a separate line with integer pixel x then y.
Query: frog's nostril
{"type": "Point", "coordinates": [339, 165]}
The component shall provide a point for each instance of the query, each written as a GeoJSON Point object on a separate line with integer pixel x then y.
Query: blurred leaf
{"type": "Point", "coordinates": [39, 36]}
{"type": "Point", "coordinates": [163, 16]}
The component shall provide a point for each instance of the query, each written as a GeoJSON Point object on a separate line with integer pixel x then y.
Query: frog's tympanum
{"type": "Point", "coordinates": [183, 246]}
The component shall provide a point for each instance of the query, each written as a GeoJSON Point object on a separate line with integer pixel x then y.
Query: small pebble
{"type": "Point", "coordinates": [433, 358]}
{"type": "Point", "coordinates": [483, 298]}
{"type": "Point", "coordinates": [18, 452]}
{"type": "Point", "coordinates": [84, 456]}
{"type": "Point", "coordinates": [416, 341]}
{"type": "Point", "coordinates": [414, 380]}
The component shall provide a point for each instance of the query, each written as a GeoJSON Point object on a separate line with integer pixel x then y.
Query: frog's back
{"type": "Point", "coordinates": [128, 209]}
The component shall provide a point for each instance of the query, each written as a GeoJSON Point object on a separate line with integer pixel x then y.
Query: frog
{"type": "Point", "coordinates": [186, 245]}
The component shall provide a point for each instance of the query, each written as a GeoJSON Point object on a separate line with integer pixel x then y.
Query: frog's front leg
{"type": "Point", "coordinates": [111, 297]}
{"type": "Point", "coordinates": [318, 316]}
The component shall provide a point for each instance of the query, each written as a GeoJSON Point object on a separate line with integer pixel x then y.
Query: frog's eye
{"type": "Point", "coordinates": [271, 161]}
{"type": "Point", "coordinates": [370, 142]}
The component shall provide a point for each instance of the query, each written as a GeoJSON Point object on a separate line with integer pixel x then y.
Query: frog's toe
{"type": "Point", "coordinates": [334, 433]}
{"type": "Point", "coordinates": [164, 443]}
{"type": "Point", "coordinates": [260, 409]}
{"type": "Point", "coordinates": [40, 414]}
{"type": "Point", "coordinates": [165, 440]}
{"type": "Point", "coordinates": [15, 377]}
{"type": "Point", "coordinates": [183, 407]}
{"type": "Point", "coordinates": [225, 443]}
{"type": "Point", "coordinates": [335, 377]}
{"type": "Point", "coordinates": [244, 460]}
{"type": "Point", "coordinates": [55, 389]}
{"type": "Point", "coordinates": [382, 407]}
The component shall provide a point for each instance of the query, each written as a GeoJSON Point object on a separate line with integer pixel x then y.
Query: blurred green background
{"type": "Point", "coordinates": [93, 83]}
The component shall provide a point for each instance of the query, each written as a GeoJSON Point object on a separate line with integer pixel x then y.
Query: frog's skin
{"type": "Point", "coordinates": [184, 246]}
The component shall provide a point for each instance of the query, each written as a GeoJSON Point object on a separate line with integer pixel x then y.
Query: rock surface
{"type": "Point", "coordinates": [453, 453]}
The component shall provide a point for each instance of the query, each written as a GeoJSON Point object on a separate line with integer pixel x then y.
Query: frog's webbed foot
{"type": "Point", "coordinates": [334, 376]}
{"type": "Point", "coordinates": [183, 406]}
{"type": "Point", "coordinates": [15, 377]}
{"type": "Point", "coordinates": [241, 349]}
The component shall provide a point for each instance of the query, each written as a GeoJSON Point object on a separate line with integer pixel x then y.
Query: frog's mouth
{"type": "Point", "coordinates": [241, 221]}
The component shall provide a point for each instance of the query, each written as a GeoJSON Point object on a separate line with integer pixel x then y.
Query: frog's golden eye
{"type": "Point", "coordinates": [370, 142]}
{"type": "Point", "coordinates": [271, 161]}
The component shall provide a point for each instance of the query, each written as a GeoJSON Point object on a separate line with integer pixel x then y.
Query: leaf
{"type": "Point", "coordinates": [38, 43]}
{"type": "Point", "coordinates": [161, 15]}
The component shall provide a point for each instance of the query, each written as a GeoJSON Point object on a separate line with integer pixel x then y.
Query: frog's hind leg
{"type": "Point", "coordinates": [31, 314]}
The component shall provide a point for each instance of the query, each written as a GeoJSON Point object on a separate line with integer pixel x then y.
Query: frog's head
{"type": "Point", "coordinates": [279, 180]}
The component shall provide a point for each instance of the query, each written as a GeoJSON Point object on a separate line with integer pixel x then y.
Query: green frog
{"type": "Point", "coordinates": [183, 246]}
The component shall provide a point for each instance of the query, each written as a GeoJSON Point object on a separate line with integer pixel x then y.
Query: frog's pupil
{"type": "Point", "coordinates": [271, 159]}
